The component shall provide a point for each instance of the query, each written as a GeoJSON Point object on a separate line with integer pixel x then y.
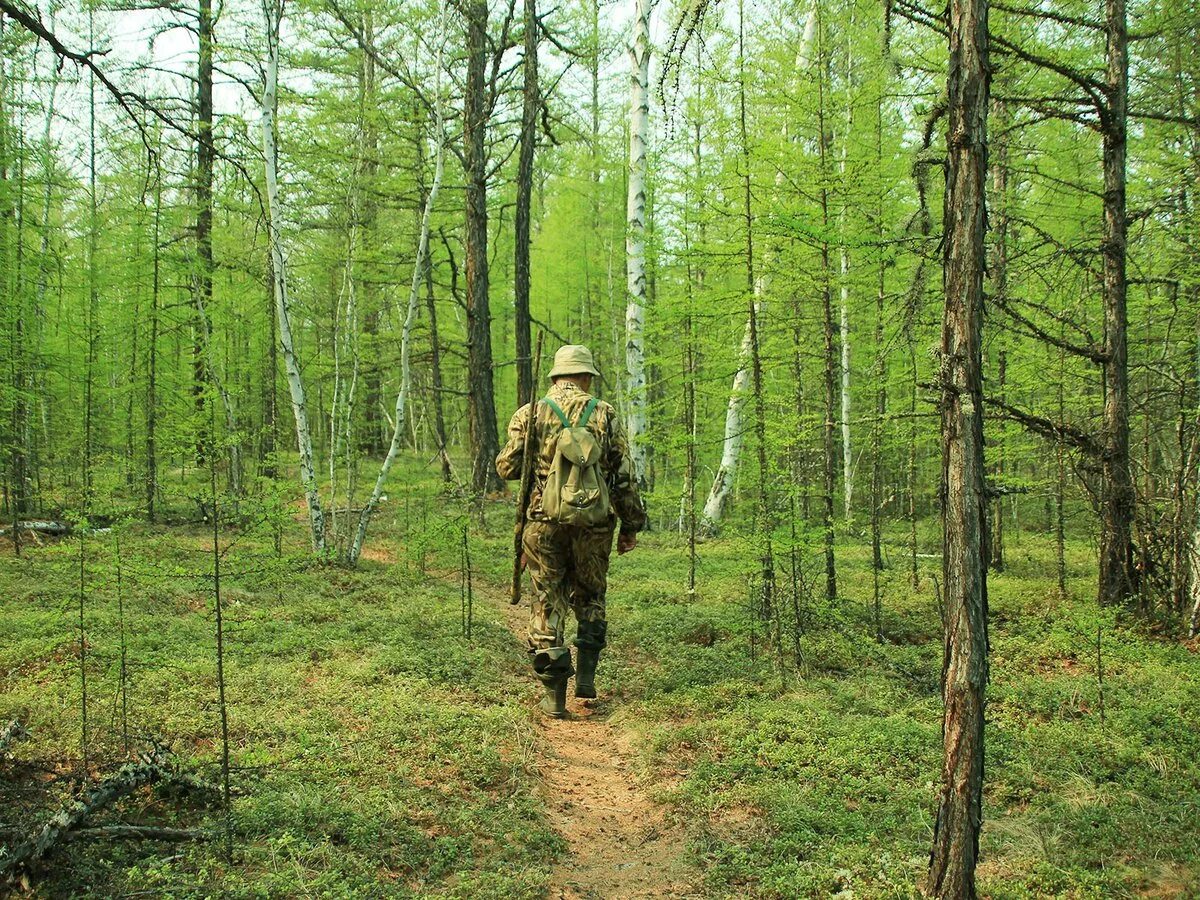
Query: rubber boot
{"type": "Point", "coordinates": [590, 640]}
{"type": "Point", "coordinates": [585, 677]}
{"type": "Point", "coordinates": [552, 667]}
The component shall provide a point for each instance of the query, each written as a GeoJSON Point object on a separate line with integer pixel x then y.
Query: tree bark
{"type": "Point", "coordinates": [375, 426]}
{"type": "Point", "coordinates": [126, 780]}
{"type": "Point", "coordinates": [11, 282]}
{"type": "Point", "coordinates": [1118, 576]}
{"type": "Point", "coordinates": [530, 105]}
{"type": "Point", "coordinates": [635, 238]}
{"type": "Point", "coordinates": [964, 501]}
{"type": "Point", "coordinates": [205, 153]}
{"type": "Point", "coordinates": [485, 438]}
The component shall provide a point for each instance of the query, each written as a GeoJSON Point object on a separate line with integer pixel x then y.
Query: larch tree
{"type": "Point", "coordinates": [478, 104]}
{"type": "Point", "coordinates": [1118, 572]}
{"type": "Point", "coordinates": [530, 107]}
{"type": "Point", "coordinates": [202, 280]}
{"type": "Point", "coordinates": [964, 498]}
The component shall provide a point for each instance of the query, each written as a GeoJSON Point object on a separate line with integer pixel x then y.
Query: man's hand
{"type": "Point", "coordinates": [626, 542]}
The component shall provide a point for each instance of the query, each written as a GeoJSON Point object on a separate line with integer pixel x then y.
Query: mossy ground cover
{"type": "Point", "coordinates": [377, 752]}
{"type": "Point", "coordinates": [812, 782]}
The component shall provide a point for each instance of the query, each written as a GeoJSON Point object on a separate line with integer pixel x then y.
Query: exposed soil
{"type": "Point", "coordinates": [622, 843]}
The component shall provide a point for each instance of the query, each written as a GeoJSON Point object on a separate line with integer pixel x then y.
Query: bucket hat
{"type": "Point", "coordinates": [573, 359]}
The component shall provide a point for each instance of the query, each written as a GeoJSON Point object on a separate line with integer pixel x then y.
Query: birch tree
{"type": "Point", "coordinates": [635, 236]}
{"type": "Point", "coordinates": [273, 15]}
{"type": "Point", "coordinates": [400, 418]}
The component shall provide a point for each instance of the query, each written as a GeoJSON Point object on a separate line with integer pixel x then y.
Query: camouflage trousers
{"type": "Point", "coordinates": [568, 566]}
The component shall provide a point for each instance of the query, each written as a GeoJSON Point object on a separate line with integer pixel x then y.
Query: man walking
{"type": "Point", "coordinates": [583, 481]}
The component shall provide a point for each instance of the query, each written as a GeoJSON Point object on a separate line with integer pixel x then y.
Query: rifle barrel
{"type": "Point", "coordinates": [527, 472]}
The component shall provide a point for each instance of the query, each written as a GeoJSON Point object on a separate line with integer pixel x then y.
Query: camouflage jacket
{"type": "Point", "coordinates": [604, 423]}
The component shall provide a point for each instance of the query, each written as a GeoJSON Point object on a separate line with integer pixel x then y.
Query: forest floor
{"type": "Point", "coordinates": [378, 751]}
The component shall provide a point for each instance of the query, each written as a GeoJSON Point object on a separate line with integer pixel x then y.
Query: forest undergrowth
{"type": "Point", "coordinates": [377, 750]}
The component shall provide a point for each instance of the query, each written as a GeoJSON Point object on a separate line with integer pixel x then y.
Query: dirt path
{"type": "Point", "coordinates": [621, 842]}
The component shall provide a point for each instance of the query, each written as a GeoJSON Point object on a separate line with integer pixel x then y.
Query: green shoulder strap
{"type": "Point", "coordinates": [587, 412]}
{"type": "Point", "coordinates": [562, 416]}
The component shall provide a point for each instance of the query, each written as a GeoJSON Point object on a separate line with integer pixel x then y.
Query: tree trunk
{"type": "Point", "coordinates": [844, 298]}
{"type": "Point", "coordinates": [964, 500]}
{"type": "Point", "coordinates": [11, 282]}
{"type": "Point", "coordinates": [635, 237]}
{"type": "Point", "coordinates": [152, 352]}
{"type": "Point", "coordinates": [435, 364]}
{"type": "Point", "coordinates": [735, 434]}
{"type": "Point", "coordinates": [999, 276]}
{"type": "Point", "coordinates": [1118, 576]}
{"type": "Point", "coordinates": [369, 277]}
{"type": "Point", "coordinates": [530, 105]}
{"type": "Point", "coordinates": [93, 306]}
{"type": "Point", "coordinates": [205, 152]}
{"type": "Point", "coordinates": [270, 404]}
{"type": "Point", "coordinates": [831, 356]}
{"type": "Point", "coordinates": [273, 12]}
{"type": "Point", "coordinates": [485, 438]}
{"type": "Point", "coordinates": [44, 259]}
{"type": "Point", "coordinates": [880, 373]}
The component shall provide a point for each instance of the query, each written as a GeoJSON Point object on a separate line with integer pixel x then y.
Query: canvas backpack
{"type": "Point", "coordinates": [576, 492]}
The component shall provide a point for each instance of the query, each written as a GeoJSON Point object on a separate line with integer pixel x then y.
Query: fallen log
{"type": "Point", "coordinates": [50, 527]}
{"type": "Point", "coordinates": [138, 833]}
{"type": "Point", "coordinates": [146, 770]}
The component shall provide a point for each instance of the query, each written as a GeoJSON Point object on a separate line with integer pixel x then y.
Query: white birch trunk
{"type": "Point", "coordinates": [273, 12]}
{"type": "Point", "coordinates": [635, 236]}
{"type": "Point", "coordinates": [735, 431]}
{"type": "Point", "coordinates": [410, 317]}
{"type": "Point", "coordinates": [731, 444]}
{"type": "Point", "coordinates": [1194, 585]}
{"type": "Point", "coordinates": [844, 296]}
